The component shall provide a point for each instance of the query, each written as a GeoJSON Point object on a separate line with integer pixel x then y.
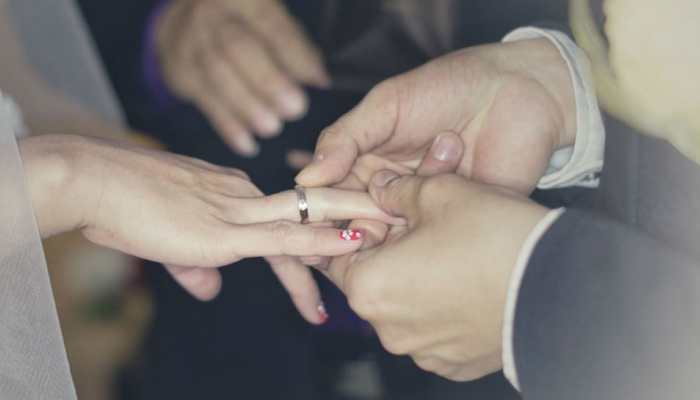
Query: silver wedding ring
{"type": "Point", "coordinates": [302, 204]}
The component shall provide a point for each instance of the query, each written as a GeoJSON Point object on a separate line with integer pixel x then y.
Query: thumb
{"type": "Point", "coordinates": [444, 155]}
{"type": "Point", "coordinates": [397, 195]}
{"type": "Point", "coordinates": [370, 124]}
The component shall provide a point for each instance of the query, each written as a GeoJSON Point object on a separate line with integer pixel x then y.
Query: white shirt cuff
{"type": "Point", "coordinates": [516, 279]}
{"type": "Point", "coordinates": [576, 165]}
{"type": "Point", "coordinates": [13, 112]}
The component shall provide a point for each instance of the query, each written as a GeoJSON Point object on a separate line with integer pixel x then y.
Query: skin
{"type": "Point", "coordinates": [242, 62]}
{"type": "Point", "coordinates": [492, 113]}
{"type": "Point", "coordinates": [436, 288]}
{"type": "Point", "coordinates": [188, 214]}
{"type": "Point", "coordinates": [498, 99]}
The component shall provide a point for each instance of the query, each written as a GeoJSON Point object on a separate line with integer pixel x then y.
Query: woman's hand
{"type": "Point", "coordinates": [184, 212]}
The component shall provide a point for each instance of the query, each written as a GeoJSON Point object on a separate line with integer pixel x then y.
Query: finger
{"type": "Point", "coordinates": [236, 136]}
{"type": "Point", "coordinates": [222, 79]}
{"type": "Point", "coordinates": [397, 195]}
{"type": "Point", "coordinates": [325, 204]}
{"type": "Point", "coordinates": [338, 270]}
{"type": "Point", "coordinates": [293, 239]}
{"type": "Point", "coordinates": [444, 155]}
{"type": "Point", "coordinates": [289, 43]}
{"type": "Point", "coordinates": [301, 286]}
{"type": "Point", "coordinates": [261, 73]}
{"type": "Point", "coordinates": [366, 127]}
{"type": "Point", "coordinates": [202, 283]}
{"type": "Point", "coordinates": [298, 159]}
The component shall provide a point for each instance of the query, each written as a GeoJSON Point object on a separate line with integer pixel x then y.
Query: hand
{"type": "Point", "coordinates": [511, 104]}
{"type": "Point", "coordinates": [436, 289]}
{"type": "Point", "coordinates": [184, 212]}
{"type": "Point", "coordinates": [242, 62]}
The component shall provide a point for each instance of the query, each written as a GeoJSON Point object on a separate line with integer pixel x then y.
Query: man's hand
{"type": "Point", "coordinates": [242, 62]}
{"type": "Point", "coordinates": [436, 289]}
{"type": "Point", "coordinates": [511, 104]}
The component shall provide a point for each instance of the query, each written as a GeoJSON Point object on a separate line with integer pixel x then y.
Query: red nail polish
{"type": "Point", "coordinates": [351, 234]}
{"type": "Point", "coordinates": [322, 312]}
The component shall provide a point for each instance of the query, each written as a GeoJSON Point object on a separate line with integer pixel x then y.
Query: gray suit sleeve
{"type": "Point", "coordinates": [606, 312]}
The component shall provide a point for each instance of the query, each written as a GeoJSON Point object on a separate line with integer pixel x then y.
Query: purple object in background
{"type": "Point", "coordinates": [152, 72]}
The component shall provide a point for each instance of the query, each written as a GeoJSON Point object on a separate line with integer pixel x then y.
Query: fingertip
{"type": "Point", "coordinates": [323, 81]}
{"type": "Point", "coordinates": [203, 284]}
{"type": "Point", "coordinates": [322, 313]}
{"type": "Point", "coordinates": [379, 182]}
{"type": "Point", "coordinates": [244, 144]}
{"type": "Point", "coordinates": [312, 175]}
{"type": "Point", "coordinates": [268, 124]}
{"type": "Point", "coordinates": [293, 104]}
{"type": "Point", "coordinates": [316, 74]}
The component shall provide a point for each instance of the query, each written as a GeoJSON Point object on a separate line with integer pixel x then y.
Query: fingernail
{"type": "Point", "coordinates": [383, 178]}
{"type": "Point", "coordinates": [322, 313]}
{"type": "Point", "coordinates": [351, 234]}
{"type": "Point", "coordinates": [293, 103]}
{"type": "Point", "coordinates": [248, 147]}
{"type": "Point", "coordinates": [268, 123]}
{"type": "Point", "coordinates": [445, 147]}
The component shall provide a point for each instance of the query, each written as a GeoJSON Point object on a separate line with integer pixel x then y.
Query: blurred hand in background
{"type": "Point", "coordinates": [242, 62]}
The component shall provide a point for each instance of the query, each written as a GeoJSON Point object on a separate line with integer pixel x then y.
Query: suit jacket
{"type": "Point", "coordinates": [609, 305]}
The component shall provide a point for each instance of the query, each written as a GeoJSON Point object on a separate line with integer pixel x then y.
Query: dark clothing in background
{"type": "Point", "coordinates": [250, 342]}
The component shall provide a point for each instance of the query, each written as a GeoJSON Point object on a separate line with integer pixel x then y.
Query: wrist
{"type": "Point", "coordinates": [51, 165]}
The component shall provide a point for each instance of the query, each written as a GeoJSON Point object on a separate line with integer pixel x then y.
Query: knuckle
{"type": "Point", "coordinates": [326, 133]}
{"type": "Point", "coordinates": [464, 374]}
{"type": "Point", "coordinates": [291, 237]}
{"type": "Point", "coordinates": [394, 345]}
{"type": "Point", "coordinates": [430, 364]}
{"type": "Point", "coordinates": [238, 173]}
{"type": "Point", "coordinates": [281, 229]}
{"type": "Point", "coordinates": [365, 292]}
{"type": "Point", "coordinates": [437, 186]}
{"type": "Point", "coordinates": [384, 90]}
